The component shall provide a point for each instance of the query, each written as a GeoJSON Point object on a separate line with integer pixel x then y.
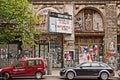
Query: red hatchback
{"type": "Point", "coordinates": [33, 67]}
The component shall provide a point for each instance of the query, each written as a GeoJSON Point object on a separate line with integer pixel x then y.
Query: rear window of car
{"type": "Point", "coordinates": [34, 62]}
{"type": "Point", "coordinates": [104, 65]}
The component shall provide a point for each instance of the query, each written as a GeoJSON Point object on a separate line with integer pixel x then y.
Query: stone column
{"type": "Point", "coordinates": [111, 35]}
{"type": "Point", "coordinates": [49, 64]}
{"type": "Point", "coordinates": [68, 39]}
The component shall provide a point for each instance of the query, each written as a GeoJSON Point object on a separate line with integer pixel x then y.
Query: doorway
{"type": "Point", "coordinates": [88, 49]}
{"type": "Point", "coordinates": [41, 50]}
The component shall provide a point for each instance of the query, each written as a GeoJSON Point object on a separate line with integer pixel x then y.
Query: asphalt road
{"type": "Point", "coordinates": [55, 78]}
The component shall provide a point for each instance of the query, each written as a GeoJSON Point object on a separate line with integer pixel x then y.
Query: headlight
{"type": "Point", "coordinates": [0, 70]}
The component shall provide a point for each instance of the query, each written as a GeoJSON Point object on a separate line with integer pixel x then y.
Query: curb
{"type": "Point", "coordinates": [51, 76]}
{"type": "Point", "coordinates": [60, 76]}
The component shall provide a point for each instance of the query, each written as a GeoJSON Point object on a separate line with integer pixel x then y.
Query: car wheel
{"type": "Point", "coordinates": [119, 74]}
{"type": "Point", "coordinates": [104, 76]}
{"type": "Point", "coordinates": [6, 76]}
{"type": "Point", "coordinates": [70, 75]}
{"type": "Point", "coordinates": [38, 75]}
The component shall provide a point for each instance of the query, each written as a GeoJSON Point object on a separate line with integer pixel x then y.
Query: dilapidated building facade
{"type": "Point", "coordinates": [94, 30]}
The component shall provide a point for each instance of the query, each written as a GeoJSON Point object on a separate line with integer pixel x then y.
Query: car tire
{"type": "Point", "coordinates": [38, 75]}
{"type": "Point", "coordinates": [6, 76]}
{"type": "Point", "coordinates": [119, 74]}
{"type": "Point", "coordinates": [70, 75]}
{"type": "Point", "coordinates": [104, 76]}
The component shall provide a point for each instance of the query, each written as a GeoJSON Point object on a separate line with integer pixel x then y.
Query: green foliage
{"type": "Point", "coordinates": [16, 21]}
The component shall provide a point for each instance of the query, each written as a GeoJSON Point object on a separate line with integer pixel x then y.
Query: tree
{"type": "Point", "coordinates": [17, 21]}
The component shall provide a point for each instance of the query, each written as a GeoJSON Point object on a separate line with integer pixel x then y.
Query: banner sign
{"type": "Point", "coordinates": [60, 23]}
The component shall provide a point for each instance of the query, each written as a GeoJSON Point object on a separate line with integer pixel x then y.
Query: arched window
{"type": "Point", "coordinates": [88, 20]}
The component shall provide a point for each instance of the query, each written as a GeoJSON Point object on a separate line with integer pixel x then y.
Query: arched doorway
{"type": "Point", "coordinates": [89, 34]}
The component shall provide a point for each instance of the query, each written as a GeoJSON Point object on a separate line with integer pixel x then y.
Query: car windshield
{"type": "Point", "coordinates": [84, 64]}
{"type": "Point", "coordinates": [14, 63]}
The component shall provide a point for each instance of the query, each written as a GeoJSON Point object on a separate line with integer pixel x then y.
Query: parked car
{"type": "Point", "coordinates": [88, 70]}
{"type": "Point", "coordinates": [119, 73]}
{"type": "Point", "coordinates": [25, 67]}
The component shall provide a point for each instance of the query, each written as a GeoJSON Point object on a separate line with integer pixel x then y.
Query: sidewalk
{"type": "Point", "coordinates": [116, 73]}
{"type": "Point", "coordinates": [55, 72]}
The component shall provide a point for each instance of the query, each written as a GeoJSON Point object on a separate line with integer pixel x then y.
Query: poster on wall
{"type": "Point", "coordinates": [111, 59]}
{"type": "Point", "coordinates": [68, 55]}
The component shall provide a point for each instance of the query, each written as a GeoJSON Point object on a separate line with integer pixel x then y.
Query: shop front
{"type": "Point", "coordinates": [88, 48]}
{"type": "Point", "coordinates": [89, 35]}
{"type": "Point", "coordinates": [51, 46]}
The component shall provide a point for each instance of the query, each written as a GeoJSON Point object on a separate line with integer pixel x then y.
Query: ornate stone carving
{"type": "Point", "coordinates": [88, 20]}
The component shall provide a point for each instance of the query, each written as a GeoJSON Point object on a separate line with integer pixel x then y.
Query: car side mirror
{"type": "Point", "coordinates": [80, 66]}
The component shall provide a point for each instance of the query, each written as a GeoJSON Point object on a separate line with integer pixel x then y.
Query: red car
{"type": "Point", "coordinates": [33, 67]}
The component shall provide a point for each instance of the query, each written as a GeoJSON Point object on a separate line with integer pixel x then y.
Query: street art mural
{"type": "Point", "coordinates": [88, 20]}
{"type": "Point", "coordinates": [8, 51]}
{"type": "Point", "coordinates": [41, 23]}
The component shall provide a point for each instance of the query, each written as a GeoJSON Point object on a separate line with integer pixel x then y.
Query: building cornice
{"type": "Point", "coordinates": [74, 1]}
{"type": "Point", "coordinates": [90, 33]}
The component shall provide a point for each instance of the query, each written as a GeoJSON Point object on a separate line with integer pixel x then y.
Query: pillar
{"type": "Point", "coordinates": [68, 39]}
{"type": "Point", "coordinates": [111, 35]}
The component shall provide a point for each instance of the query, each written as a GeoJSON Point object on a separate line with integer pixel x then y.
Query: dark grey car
{"type": "Point", "coordinates": [88, 69]}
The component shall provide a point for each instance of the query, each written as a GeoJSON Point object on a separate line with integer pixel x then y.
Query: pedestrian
{"type": "Point", "coordinates": [19, 55]}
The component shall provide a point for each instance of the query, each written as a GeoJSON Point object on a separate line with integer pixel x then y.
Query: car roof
{"type": "Point", "coordinates": [96, 62]}
{"type": "Point", "coordinates": [25, 59]}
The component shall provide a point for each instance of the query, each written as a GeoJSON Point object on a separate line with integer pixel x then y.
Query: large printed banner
{"type": "Point", "coordinates": [60, 23]}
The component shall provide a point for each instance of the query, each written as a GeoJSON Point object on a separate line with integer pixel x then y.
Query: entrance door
{"type": "Point", "coordinates": [41, 50]}
{"type": "Point", "coordinates": [56, 55]}
{"type": "Point", "coordinates": [87, 49]}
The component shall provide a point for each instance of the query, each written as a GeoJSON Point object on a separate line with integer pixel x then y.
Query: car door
{"type": "Point", "coordinates": [94, 70]}
{"type": "Point", "coordinates": [30, 69]}
{"type": "Point", "coordinates": [19, 69]}
{"type": "Point", "coordinates": [82, 70]}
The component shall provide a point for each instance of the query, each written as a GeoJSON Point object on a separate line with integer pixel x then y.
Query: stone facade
{"type": "Point", "coordinates": [107, 12]}
{"type": "Point", "coordinates": [104, 13]}
{"type": "Point", "coordinates": [6, 62]}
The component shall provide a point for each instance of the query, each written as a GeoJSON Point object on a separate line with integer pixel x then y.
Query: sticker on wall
{"type": "Point", "coordinates": [68, 55]}
{"type": "Point", "coordinates": [112, 46]}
